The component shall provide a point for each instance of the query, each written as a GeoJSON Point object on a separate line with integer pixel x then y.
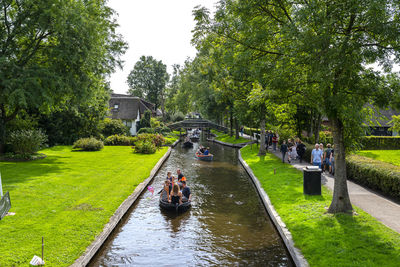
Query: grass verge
{"type": "Point", "coordinates": [389, 156]}
{"type": "Point", "coordinates": [226, 138]}
{"type": "Point", "coordinates": [67, 198]}
{"type": "Point", "coordinates": [324, 239]}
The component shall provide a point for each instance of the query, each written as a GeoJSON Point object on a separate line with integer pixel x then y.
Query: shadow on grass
{"type": "Point", "coordinates": [19, 172]}
{"type": "Point", "coordinates": [347, 242]}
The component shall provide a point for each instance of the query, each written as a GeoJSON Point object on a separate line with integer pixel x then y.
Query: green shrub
{"type": "Point", "coordinates": [374, 174]}
{"type": "Point", "coordinates": [112, 127]}
{"type": "Point", "coordinates": [165, 130]}
{"type": "Point", "coordinates": [145, 147]}
{"type": "Point", "coordinates": [146, 130]}
{"type": "Point", "coordinates": [119, 140]}
{"type": "Point", "coordinates": [380, 142]}
{"type": "Point", "coordinates": [88, 144]}
{"type": "Point", "coordinates": [178, 116]}
{"type": "Point", "coordinates": [26, 142]}
{"type": "Point", "coordinates": [157, 139]}
{"type": "Point", "coordinates": [154, 123]}
{"type": "Point", "coordinates": [145, 121]}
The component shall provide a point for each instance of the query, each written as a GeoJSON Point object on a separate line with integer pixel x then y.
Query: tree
{"type": "Point", "coordinates": [148, 80]}
{"type": "Point", "coordinates": [318, 49]}
{"type": "Point", "coordinates": [53, 52]}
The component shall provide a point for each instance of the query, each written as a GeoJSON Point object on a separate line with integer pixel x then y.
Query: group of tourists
{"type": "Point", "coordinates": [324, 159]}
{"type": "Point", "coordinates": [294, 149]}
{"type": "Point", "coordinates": [175, 189]}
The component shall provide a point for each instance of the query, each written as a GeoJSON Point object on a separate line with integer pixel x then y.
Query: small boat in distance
{"type": "Point", "coordinates": [208, 157]}
{"type": "Point", "coordinates": [187, 144]}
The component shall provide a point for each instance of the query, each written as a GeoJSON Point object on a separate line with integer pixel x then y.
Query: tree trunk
{"type": "Point", "coordinates": [231, 123]}
{"type": "Point", "coordinates": [237, 129]}
{"type": "Point", "coordinates": [262, 150]}
{"type": "Point", "coordinates": [311, 131]}
{"type": "Point", "coordinates": [2, 134]}
{"type": "Point", "coordinates": [317, 128]}
{"type": "Point", "coordinates": [341, 199]}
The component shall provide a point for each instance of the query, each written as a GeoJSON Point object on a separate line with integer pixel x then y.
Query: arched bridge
{"type": "Point", "coordinates": [198, 123]}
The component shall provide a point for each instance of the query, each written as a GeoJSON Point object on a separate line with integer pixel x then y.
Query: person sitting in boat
{"type": "Point", "coordinates": [165, 191]}
{"type": "Point", "coordinates": [180, 175]}
{"type": "Point", "coordinates": [176, 195]}
{"type": "Point", "coordinates": [171, 180]}
{"type": "Point", "coordinates": [207, 152]}
{"type": "Point", "coordinates": [186, 195]}
{"type": "Point", "coordinates": [202, 149]}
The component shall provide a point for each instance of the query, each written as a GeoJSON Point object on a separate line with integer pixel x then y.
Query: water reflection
{"type": "Point", "coordinates": [226, 226]}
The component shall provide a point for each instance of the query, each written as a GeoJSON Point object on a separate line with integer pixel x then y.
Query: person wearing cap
{"type": "Point", "coordinates": [186, 191]}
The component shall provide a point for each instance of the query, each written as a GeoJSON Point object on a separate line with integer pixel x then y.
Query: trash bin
{"type": "Point", "coordinates": [312, 180]}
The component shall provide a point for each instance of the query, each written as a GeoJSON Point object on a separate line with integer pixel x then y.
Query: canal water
{"type": "Point", "coordinates": [226, 226]}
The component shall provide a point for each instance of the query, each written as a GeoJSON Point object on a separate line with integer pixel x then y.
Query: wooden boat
{"type": "Point", "coordinates": [187, 144]}
{"type": "Point", "coordinates": [208, 157]}
{"type": "Point", "coordinates": [194, 138]}
{"type": "Point", "coordinates": [165, 205]}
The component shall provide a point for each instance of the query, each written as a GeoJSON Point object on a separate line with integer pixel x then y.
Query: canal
{"type": "Point", "coordinates": [226, 226]}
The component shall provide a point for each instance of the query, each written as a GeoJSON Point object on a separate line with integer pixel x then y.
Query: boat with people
{"type": "Point", "coordinates": [208, 157]}
{"type": "Point", "coordinates": [204, 154]}
{"type": "Point", "coordinates": [175, 195]}
{"type": "Point", "coordinates": [194, 138]}
{"type": "Point", "coordinates": [187, 144]}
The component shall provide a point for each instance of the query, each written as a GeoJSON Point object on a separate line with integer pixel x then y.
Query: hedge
{"type": "Point", "coordinates": [380, 142]}
{"type": "Point", "coordinates": [374, 174]}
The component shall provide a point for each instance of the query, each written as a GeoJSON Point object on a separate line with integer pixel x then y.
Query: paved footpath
{"type": "Point", "coordinates": [383, 209]}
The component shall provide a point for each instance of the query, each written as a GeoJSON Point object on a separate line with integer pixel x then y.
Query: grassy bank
{"type": "Point", "coordinates": [226, 138]}
{"type": "Point", "coordinates": [324, 239]}
{"type": "Point", "coordinates": [389, 156]}
{"type": "Point", "coordinates": [67, 197]}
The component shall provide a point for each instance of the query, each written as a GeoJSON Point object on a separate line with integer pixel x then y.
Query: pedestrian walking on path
{"type": "Point", "coordinates": [316, 156]}
{"type": "Point", "coordinates": [284, 149]}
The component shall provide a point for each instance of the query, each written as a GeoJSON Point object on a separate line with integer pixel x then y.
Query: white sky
{"type": "Point", "coordinates": [158, 28]}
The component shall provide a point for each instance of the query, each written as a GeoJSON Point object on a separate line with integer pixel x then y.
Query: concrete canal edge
{"type": "Point", "coordinates": [285, 234]}
{"type": "Point", "coordinates": [119, 213]}
{"type": "Point", "coordinates": [240, 145]}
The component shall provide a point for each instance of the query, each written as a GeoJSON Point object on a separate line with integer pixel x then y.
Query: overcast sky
{"type": "Point", "coordinates": [157, 28]}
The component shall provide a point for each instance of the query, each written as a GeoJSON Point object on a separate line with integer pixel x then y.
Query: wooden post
{"type": "Point", "coordinates": [274, 171]}
{"type": "Point", "coordinates": [43, 249]}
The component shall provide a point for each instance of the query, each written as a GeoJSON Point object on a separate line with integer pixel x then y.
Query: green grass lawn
{"type": "Point", "coordinates": [67, 198]}
{"type": "Point", "coordinates": [324, 239]}
{"type": "Point", "coordinates": [389, 156]}
{"type": "Point", "coordinates": [226, 138]}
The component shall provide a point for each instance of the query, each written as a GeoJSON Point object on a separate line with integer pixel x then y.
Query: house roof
{"type": "Point", "coordinates": [382, 117]}
{"type": "Point", "coordinates": [128, 106]}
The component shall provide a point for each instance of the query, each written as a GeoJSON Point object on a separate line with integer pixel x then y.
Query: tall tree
{"type": "Point", "coordinates": [52, 52]}
{"type": "Point", "coordinates": [319, 49]}
{"type": "Point", "coordinates": [148, 79]}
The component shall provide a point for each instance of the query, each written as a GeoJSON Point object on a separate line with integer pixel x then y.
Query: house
{"type": "Point", "coordinates": [129, 109]}
{"type": "Point", "coordinates": [380, 124]}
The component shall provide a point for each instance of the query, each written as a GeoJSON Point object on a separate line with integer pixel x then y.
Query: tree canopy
{"type": "Point", "coordinates": [289, 60]}
{"type": "Point", "coordinates": [148, 80]}
{"type": "Point", "coordinates": [54, 54]}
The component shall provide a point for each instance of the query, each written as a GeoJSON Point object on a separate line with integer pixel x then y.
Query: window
{"type": "Point", "coordinates": [116, 106]}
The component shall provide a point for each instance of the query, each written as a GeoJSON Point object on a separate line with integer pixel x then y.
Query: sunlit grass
{"type": "Point", "coordinates": [324, 239]}
{"type": "Point", "coordinates": [67, 198]}
{"type": "Point", "coordinates": [389, 156]}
